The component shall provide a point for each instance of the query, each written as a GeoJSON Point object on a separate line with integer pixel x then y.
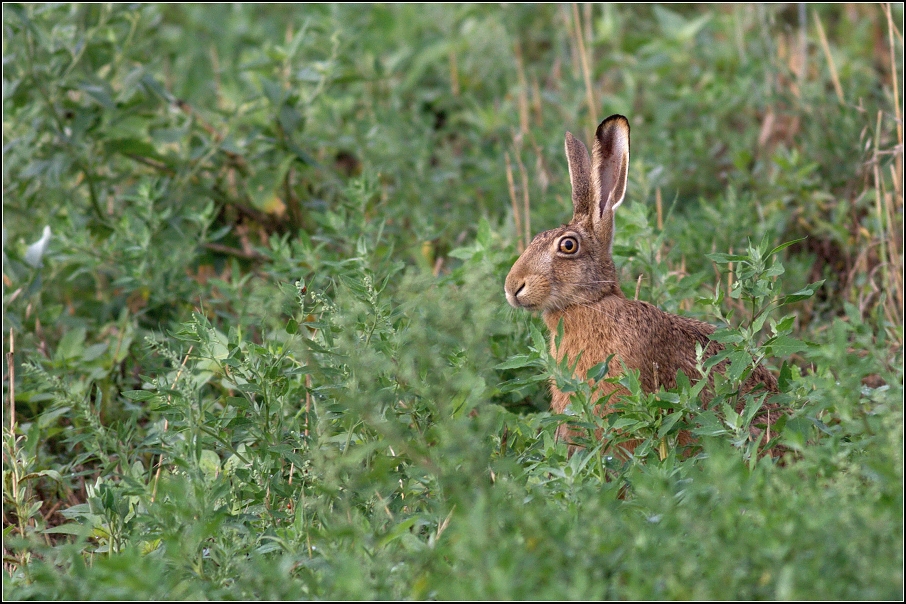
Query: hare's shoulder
{"type": "Point", "coordinates": [656, 327]}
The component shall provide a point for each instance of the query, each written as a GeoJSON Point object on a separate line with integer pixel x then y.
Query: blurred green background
{"type": "Point", "coordinates": [265, 351]}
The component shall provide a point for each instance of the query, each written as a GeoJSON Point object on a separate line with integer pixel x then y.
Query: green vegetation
{"type": "Point", "coordinates": [266, 352]}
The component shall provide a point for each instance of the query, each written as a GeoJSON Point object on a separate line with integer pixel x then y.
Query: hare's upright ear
{"type": "Point", "coordinates": [579, 176]}
{"type": "Point", "coordinates": [610, 164]}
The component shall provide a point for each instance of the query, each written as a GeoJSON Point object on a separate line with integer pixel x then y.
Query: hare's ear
{"type": "Point", "coordinates": [610, 163]}
{"type": "Point", "coordinates": [579, 176]}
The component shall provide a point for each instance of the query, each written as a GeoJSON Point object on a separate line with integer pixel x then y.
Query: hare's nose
{"type": "Point", "coordinates": [512, 290]}
{"type": "Point", "coordinates": [513, 297]}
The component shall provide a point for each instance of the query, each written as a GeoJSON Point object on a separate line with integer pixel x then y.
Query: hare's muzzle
{"type": "Point", "coordinates": [526, 285]}
{"type": "Point", "coordinates": [526, 289]}
{"type": "Point", "coordinates": [513, 296]}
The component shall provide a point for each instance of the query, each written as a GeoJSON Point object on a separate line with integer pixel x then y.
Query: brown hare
{"type": "Point", "coordinates": [568, 274]}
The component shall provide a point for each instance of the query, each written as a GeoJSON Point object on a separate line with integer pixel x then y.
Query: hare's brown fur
{"type": "Point", "coordinates": [568, 273]}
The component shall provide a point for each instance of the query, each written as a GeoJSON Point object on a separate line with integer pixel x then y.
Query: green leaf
{"type": "Point", "coordinates": [774, 270]}
{"type": "Point", "coordinates": [49, 417]}
{"type": "Point", "coordinates": [726, 258]}
{"type": "Point", "coordinates": [716, 358]}
{"type": "Point", "coordinates": [271, 546]}
{"type": "Point", "coordinates": [803, 294]}
{"type": "Point", "coordinates": [708, 425]}
{"type": "Point", "coordinates": [292, 327]}
{"type": "Point", "coordinates": [139, 395]}
{"type": "Point", "coordinates": [785, 379]}
{"type": "Point", "coordinates": [71, 528]}
{"type": "Point", "coordinates": [101, 93]}
{"type": "Point", "coordinates": [667, 400]}
{"type": "Point", "coordinates": [731, 418]}
{"type": "Point", "coordinates": [668, 423]}
{"type": "Point", "coordinates": [783, 326]}
{"type": "Point", "coordinates": [48, 473]}
{"type": "Point", "coordinates": [518, 383]}
{"type": "Point", "coordinates": [398, 531]}
{"type": "Point", "coordinates": [131, 146]}
{"type": "Point", "coordinates": [675, 26]}
{"type": "Point", "coordinates": [263, 186]}
{"type": "Point", "coordinates": [520, 360]}
{"type": "Point", "coordinates": [682, 380]}
{"type": "Point", "coordinates": [781, 346]}
{"type": "Point", "coordinates": [71, 345]}
{"type": "Point", "coordinates": [624, 423]}
{"type": "Point", "coordinates": [209, 463]}
{"type": "Point", "coordinates": [538, 342]}
{"type": "Point", "coordinates": [239, 401]}
{"type": "Point", "coordinates": [758, 323]}
{"type": "Point", "coordinates": [248, 388]}
{"type": "Point", "coordinates": [725, 336]}
{"type": "Point", "coordinates": [463, 253]}
{"type": "Point", "coordinates": [740, 360]}
{"type": "Point", "coordinates": [599, 371]}
{"type": "Point", "coordinates": [783, 246]}
{"type": "Point", "coordinates": [272, 90]}
{"type": "Point", "coordinates": [77, 510]}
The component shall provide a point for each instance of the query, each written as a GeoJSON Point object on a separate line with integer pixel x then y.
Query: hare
{"type": "Point", "coordinates": [568, 274]}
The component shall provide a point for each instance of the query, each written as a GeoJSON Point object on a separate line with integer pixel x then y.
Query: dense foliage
{"type": "Point", "coordinates": [263, 349]}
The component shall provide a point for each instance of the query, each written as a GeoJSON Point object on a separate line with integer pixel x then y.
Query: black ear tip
{"type": "Point", "coordinates": [615, 120]}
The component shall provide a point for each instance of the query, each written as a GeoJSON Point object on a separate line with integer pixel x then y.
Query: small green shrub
{"type": "Point", "coordinates": [260, 349]}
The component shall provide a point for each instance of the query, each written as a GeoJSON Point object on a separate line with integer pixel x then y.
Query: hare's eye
{"type": "Point", "coordinates": [569, 245]}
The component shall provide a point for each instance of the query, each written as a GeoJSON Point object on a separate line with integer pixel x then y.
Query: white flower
{"type": "Point", "coordinates": [36, 250]}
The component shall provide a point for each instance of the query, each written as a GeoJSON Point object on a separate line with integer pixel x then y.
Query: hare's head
{"type": "Point", "coordinates": [572, 264]}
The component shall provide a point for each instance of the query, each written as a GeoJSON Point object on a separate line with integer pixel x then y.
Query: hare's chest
{"type": "Point", "coordinates": [591, 344]}
{"type": "Point", "coordinates": [584, 359]}
{"type": "Point", "coordinates": [560, 400]}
